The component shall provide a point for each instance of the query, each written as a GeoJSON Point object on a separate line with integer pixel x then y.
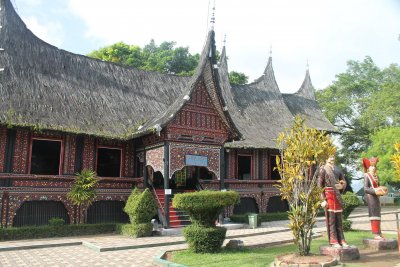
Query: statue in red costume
{"type": "Point", "coordinates": [373, 191]}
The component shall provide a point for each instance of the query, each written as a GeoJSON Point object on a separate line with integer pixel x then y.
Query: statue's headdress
{"type": "Point", "coordinates": [369, 162]}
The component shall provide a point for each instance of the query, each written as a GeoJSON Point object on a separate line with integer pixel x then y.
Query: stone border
{"type": "Point", "coordinates": [50, 245]}
{"type": "Point", "coordinates": [160, 261]}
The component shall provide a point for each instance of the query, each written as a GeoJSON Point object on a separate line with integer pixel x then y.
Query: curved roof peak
{"type": "Point", "coordinates": [267, 81]}
{"type": "Point", "coordinates": [307, 89]}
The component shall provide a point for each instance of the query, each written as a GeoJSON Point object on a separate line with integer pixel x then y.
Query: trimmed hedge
{"type": "Point", "coordinates": [135, 230]}
{"type": "Point", "coordinates": [45, 231]}
{"type": "Point", "coordinates": [204, 239]}
{"type": "Point", "coordinates": [350, 202]}
{"type": "Point", "coordinates": [141, 207]}
{"type": "Point", "coordinates": [346, 224]}
{"type": "Point", "coordinates": [204, 206]}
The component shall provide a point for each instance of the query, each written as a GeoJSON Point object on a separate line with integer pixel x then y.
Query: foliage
{"type": "Point", "coordinates": [141, 208]}
{"type": "Point", "coordinates": [396, 160]}
{"type": "Point", "coordinates": [346, 225]}
{"type": "Point", "coordinates": [204, 206]}
{"type": "Point", "coordinates": [46, 231]}
{"type": "Point", "coordinates": [164, 58]}
{"type": "Point", "coordinates": [350, 202]}
{"type": "Point", "coordinates": [83, 191]}
{"type": "Point", "coordinates": [359, 103]}
{"type": "Point", "coordinates": [56, 221]}
{"type": "Point", "coordinates": [135, 230]}
{"type": "Point", "coordinates": [259, 256]}
{"type": "Point", "coordinates": [238, 77]}
{"type": "Point", "coordinates": [131, 203]}
{"type": "Point", "coordinates": [302, 150]}
{"type": "Point", "coordinates": [382, 147]}
{"type": "Point", "coordinates": [204, 239]}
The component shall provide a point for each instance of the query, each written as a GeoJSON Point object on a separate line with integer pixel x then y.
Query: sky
{"type": "Point", "coordinates": [326, 34]}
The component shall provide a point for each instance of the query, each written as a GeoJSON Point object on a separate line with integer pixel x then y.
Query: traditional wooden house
{"type": "Point", "coordinates": [61, 112]}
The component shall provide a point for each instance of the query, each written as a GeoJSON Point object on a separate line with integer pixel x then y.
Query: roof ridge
{"type": "Point", "coordinates": [307, 89]}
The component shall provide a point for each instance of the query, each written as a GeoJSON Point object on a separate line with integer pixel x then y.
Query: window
{"type": "Point", "coordinates": [272, 164]}
{"type": "Point", "coordinates": [109, 162]}
{"type": "Point", "coordinates": [244, 167]}
{"type": "Point", "coordinates": [46, 157]}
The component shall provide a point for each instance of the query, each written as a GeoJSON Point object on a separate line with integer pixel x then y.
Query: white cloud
{"type": "Point", "coordinates": [327, 33]}
{"type": "Point", "coordinates": [51, 33]}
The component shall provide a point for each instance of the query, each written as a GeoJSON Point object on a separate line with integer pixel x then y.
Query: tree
{"type": "Point", "coordinates": [238, 78]}
{"type": "Point", "coordinates": [396, 161]}
{"type": "Point", "coordinates": [359, 103]}
{"type": "Point", "coordinates": [302, 150]}
{"type": "Point", "coordinates": [382, 147]}
{"type": "Point", "coordinates": [83, 191]}
{"type": "Point", "coordinates": [163, 58]}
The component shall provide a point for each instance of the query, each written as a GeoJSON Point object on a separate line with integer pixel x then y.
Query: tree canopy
{"type": "Point", "coordinates": [165, 58]}
{"type": "Point", "coordinates": [360, 103]}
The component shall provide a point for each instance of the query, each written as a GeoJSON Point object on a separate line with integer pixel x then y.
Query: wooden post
{"type": "Point", "coordinates": [398, 231]}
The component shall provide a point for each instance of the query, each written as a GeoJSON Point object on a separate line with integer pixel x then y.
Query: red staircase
{"type": "Point", "coordinates": [176, 218]}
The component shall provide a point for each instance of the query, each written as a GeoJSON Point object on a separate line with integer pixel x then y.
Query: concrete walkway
{"type": "Point", "coordinates": [116, 250]}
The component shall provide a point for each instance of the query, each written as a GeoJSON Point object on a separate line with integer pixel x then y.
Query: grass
{"type": "Point", "coordinates": [259, 256]}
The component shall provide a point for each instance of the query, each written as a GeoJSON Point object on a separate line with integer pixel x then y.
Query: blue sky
{"type": "Point", "coordinates": [327, 33]}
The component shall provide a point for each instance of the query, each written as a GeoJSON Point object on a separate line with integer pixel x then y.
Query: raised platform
{"type": "Point", "coordinates": [341, 254]}
{"type": "Point", "coordinates": [380, 244]}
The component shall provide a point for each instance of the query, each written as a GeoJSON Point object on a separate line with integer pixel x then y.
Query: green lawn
{"type": "Point", "coordinates": [259, 256]}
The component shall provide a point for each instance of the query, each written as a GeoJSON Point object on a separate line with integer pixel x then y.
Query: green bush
{"type": "Point", "coordinates": [204, 206]}
{"type": "Point", "coordinates": [244, 218]}
{"type": "Point", "coordinates": [141, 207]}
{"type": "Point", "coordinates": [56, 221]}
{"type": "Point", "coordinates": [346, 225]}
{"type": "Point", "coordinates": [135, 230]}
{"type": "Point", "coordinates": [45, 231]}
{"type": "Point", "coordinates": [204, 239]}
{"type": "Point", "coordinates": [350, 202]}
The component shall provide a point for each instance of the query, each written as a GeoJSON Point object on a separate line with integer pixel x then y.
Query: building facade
{"type": "Point", "coordinates": [61, 113]}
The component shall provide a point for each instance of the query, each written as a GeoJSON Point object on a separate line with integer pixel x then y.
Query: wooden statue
{"type": "Point", "coordinates": [373, 191]}
{"type": "Point", "coordinates": [333, 182]}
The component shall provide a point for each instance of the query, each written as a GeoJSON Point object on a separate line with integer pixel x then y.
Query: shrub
{"type": "Point", "coordinates": [141, 207]}
{"type": "Point", "coordinates": [350, 202]}
{"type": "Point", "coordinates": [135, 230]}
{"type": "Point", "coordinates": [45, 231]}
{"type": "Point", "coordinates": [346, 225]}
{"type": "Point", "coordinates": [204, 206]}
{"type": "Point", "coordinates": [56, 221]}
{"type": "Point", "coordinates": [204, 239]}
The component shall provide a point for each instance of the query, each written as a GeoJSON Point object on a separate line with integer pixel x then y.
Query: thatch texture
{"type": "Point", "coordinates": [48, 88]}
{"type": "Point", "coordinates": [261, 112]}
{"type": "Point", "coordinates": [303, 103]}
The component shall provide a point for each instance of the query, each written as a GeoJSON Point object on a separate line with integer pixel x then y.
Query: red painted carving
{"type": "Point", "coordinates": [88, 152]}
{"type": "Point", "coordinates": [155, 159]}
{"type": "Point", "coordinates": [3, 142]}
{"type": "Point", "coordinates": [21, 149]}
{"type": "Point", "coordinates": [178, 151]}
{"type": "Point", "coordinates": [69, 154]}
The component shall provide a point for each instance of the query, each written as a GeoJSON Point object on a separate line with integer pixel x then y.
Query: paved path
{"type": "Point", "coordinates": [123, 251]}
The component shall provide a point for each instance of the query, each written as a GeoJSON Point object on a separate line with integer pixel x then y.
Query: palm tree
{"type": "Point", "coordinates": [83, 192]}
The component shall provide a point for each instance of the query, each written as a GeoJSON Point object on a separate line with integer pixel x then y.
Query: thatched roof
{"type": "Point", "coordinates": [303, 103]}
{"type": "Point", "coordinates": [261, 112]}
{"type": "Point", "coordinates": [49, 88]}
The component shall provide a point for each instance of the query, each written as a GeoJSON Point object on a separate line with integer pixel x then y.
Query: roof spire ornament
{"type": "Point", "coordinates": [212, 21]}
{"type": "Point", "coordinates": [307, 66]}
{"type": "Point", "coordinates": [270, 51]}
{"type": "Point", "coordinates": [225, 40]}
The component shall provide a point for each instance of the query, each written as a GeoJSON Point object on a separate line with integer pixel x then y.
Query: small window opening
{"type": "Point", "coordinates": [109, 162]}
{"type": "Point", "coordinates": [274, 172]}
{"type": "Point", "coordinates": [45, 157]}
{"type": "Point", "coordinates": [244, 167]}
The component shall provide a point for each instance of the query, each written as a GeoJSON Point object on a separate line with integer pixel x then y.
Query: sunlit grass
{"type": "Point", "coordinates": [259, 256]}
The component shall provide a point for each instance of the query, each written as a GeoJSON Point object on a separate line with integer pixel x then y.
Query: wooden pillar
{"type": "Point", "coordinates": [166, 185]}
{"type": "Point", "coordinates": [222, 169]}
